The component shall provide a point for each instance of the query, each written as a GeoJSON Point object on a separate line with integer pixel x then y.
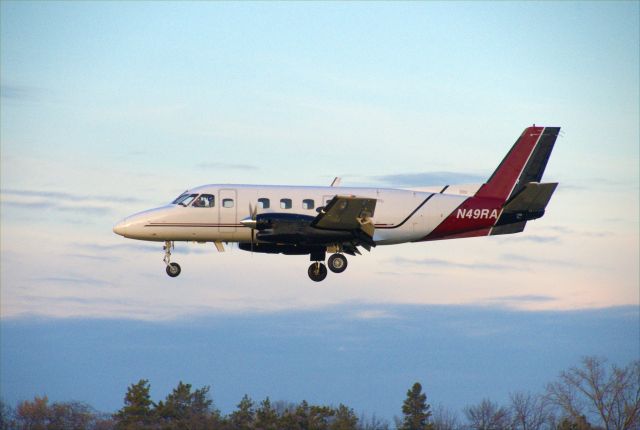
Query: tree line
{"type": "Point", "coordinates": [591, 396]}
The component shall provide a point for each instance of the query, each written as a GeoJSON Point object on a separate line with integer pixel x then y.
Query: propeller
{"type": "Point", "coordinates": [251, 222]}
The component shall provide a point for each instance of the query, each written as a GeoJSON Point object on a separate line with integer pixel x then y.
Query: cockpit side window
{"type": "Point", "coordinates": [204, 201]}
{"type": "Point", "coordinates": [184, 199]}
{"type": "Point", "coordinates": [181, 196]}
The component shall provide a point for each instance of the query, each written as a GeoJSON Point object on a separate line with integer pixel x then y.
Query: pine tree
{"type": "Point", "coordinates": [137, 411]}
{"type": "Point", "coordinates": [184, 408]}
{"type": "Point", "coordinates": [242, 418]}
{"type": "Point", "coordinates": [344, 419]}
{"type": "Point", "coordinates": [266, 416]}
{"type": "Point", "coordinates": [416, 410]}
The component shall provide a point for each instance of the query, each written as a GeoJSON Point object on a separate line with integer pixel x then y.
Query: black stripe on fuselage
{"type": "Point", "coordinates": [193, 225]}
{"type": "Point", "coordinates": [410, 215]}
{"type": "Point", "coordinates": [240, 225]}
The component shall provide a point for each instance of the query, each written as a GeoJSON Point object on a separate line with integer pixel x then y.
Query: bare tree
{"type": "Point", "coordinates": [487, 416]}
{"type": "Point", "coordinates": [6, 416]}
{"type": "Point", "coordinates": [613, 396]}
{"type": "Point", "coordinates": [444, 419]}
{"type": "Point", "coordinates": [529, 411]}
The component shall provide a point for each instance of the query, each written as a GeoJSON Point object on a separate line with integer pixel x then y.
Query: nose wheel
{"type": "Point", "coordinates": [173, 269]}
{"type": "Point", "coordinates": [317, 271]}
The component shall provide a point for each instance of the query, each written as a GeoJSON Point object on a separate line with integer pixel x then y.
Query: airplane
{"type": "Point", "coordinates": [315, 221]}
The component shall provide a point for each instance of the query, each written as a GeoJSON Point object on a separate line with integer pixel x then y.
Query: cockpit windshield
{"type": "Point", "coordinates": [184, 199]}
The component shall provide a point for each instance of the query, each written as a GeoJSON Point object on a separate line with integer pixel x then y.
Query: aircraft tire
{"type": "Point", "coordinates": [337, 263]}
{"type": "Point", "coordinates": [173, 269]}
{"type": "Point", "coordinates": [317, 272]}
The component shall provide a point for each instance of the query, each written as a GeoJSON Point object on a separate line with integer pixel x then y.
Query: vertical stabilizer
{"type": "Point", "coordinates": [524, 163]}
{"type": "Point", "coordinates": [513, 194]}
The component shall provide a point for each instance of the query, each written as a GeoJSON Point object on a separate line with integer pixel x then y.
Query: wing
{"type": "Point", "coordinates": [345, 221]}
{"type": "Point", "coordinates": [347, 213]}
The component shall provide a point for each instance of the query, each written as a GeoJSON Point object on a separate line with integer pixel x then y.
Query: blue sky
{"type": "Point", "coordinates": [110, 108]}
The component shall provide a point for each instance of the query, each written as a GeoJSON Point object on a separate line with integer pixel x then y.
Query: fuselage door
{"type": "Point", "coordinates": [228, 210]}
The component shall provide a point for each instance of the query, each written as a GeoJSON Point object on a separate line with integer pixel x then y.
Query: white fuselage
{"type": "Point", "coordinates": [400, 215]}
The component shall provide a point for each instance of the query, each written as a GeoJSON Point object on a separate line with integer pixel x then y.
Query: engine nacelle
{"type": "Point", "coordinates": [283, 228]}
{"type": "Point", "coordinates": [275, 248]}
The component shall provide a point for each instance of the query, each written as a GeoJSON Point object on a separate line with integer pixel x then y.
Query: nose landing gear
{"type": "Point", "coordinates": [173, 269]}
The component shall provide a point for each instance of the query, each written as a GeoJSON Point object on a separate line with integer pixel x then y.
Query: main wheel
{"type": "Point", "coordinates": [337, 263]}
{"type": "Point", "coordinates": [173, 269]}
{"type": "Point", "coordinates": [317, 271]}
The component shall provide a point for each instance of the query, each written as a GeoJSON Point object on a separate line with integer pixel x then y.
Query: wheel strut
{"type": "Point", "coordinates": [173, 269]}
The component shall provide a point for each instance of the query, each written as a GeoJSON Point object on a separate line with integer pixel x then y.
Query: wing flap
{"type": "Point", "coordinates": [347, 213]}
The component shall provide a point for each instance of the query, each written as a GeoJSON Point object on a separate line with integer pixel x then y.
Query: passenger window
{"type": "Point", "coordinates": [308, 204]}
{"type": "Point", "coordinates": [204, 201]}
{"type": "Point", "coordinates": [227, 203]}
{"type": "Point", "coordinates": [263, 203]}
{"type": "Point", "coordinates": [285, 204]}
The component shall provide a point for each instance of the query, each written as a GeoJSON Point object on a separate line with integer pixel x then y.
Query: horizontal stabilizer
{"type": "Point", "coordinates": [528, 204]}
{"type": "Point", "coordinates": [532, 197]}
{"type": "Point", "coordinates": [516, 227]}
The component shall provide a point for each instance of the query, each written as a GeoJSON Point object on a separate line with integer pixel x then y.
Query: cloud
{"type": "Point", "coordinates": [68, 197]}
{"type": "Point", "coordinates": [534, 238]}
{"type": "Point", "coordinates": [572, 232]}
{"type": "Point", "coordinates": [62, 201]}
{"type": "Point", "coordinates": [19, 92]}
{"type": "Point", "coordinates": [436, 262]}
{"type": "Point", "coordinates": [511, 262]}
{"type": "Point", "coordinates": [373, 314]}
{"type": "Point", "coordinates": [525, 298]}
{"type": "Point", "coordinates": [138, 247]}
{"type": "Point", "coordinates": [72, 280]}
{"type": "Point", "coordinates": [89, 210]}
{"type": "Point", "coordinates": [227, 166]}
{"type": "Point", "coordinates": [128, 246]}
{"type": "Point", "coordinates": [430, 178]}
{"type": "Point", "coordinates": [545, 261]}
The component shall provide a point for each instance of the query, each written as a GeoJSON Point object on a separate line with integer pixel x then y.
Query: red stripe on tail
{"type": "Point", "coordinates": [501, 183]}
{"type": "Point", "coordinates": [478, 214]}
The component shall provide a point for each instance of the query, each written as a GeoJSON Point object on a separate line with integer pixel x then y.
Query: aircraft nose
{"type": "Point", "coordinates": [121, 227]}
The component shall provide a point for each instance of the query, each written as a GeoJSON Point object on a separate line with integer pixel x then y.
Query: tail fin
{"type": "Point", "coordinates": [512, 196]}
{"type": "Point", "coordinates": [524, 163]}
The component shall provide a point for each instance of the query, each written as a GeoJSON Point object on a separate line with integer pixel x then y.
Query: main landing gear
{"type": "Point", "coordinates": [173, 269]}
{"type": "Point", "coordinates": [318, 271]}
{"type": "Point", "coordinates": [337, 263]}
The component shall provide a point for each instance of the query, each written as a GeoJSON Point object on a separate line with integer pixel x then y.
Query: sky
{"type": "Point", "coordinates": [109, 108]}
